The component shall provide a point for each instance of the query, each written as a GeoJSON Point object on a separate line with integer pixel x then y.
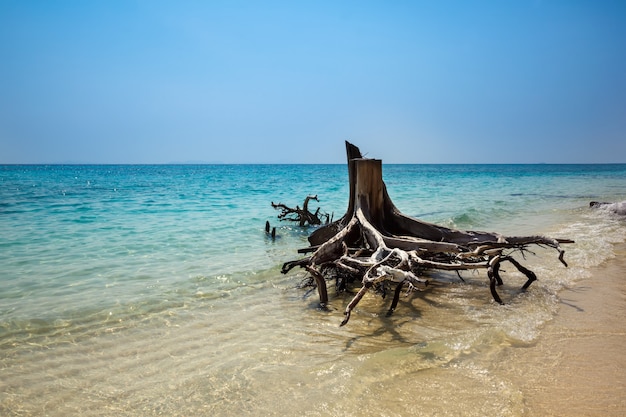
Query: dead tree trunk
{"type": "Point", "coordinates": [374, 243]}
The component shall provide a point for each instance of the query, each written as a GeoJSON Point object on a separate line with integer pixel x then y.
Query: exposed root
{"type": "Point", "coordinates": [374, 244]}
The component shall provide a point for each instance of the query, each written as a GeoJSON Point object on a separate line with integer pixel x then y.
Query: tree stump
{"type": "Point", "coordinates": [374, 243]}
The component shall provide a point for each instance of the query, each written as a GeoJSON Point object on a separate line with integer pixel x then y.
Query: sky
{"type": "Point", "coordinates": [289, 81]}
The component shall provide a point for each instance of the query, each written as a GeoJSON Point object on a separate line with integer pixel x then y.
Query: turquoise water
{"type": "Point", "coordinates": [154, 289]}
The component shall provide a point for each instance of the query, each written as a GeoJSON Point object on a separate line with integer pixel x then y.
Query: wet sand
{"type": "Point", "coordinates": [578, 366]}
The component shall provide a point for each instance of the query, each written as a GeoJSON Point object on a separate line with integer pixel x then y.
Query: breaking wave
{"type": "Point", "coordinates": [615, 208]}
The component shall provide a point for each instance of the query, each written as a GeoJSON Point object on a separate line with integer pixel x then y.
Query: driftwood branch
{"type": "Point", "coordinates": [374, 243]}
{"type": "Point", "coordinates": [302, 216]}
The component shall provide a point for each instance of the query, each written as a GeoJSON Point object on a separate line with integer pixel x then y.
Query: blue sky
{"type": "Point", "coordinates": [288, 82]}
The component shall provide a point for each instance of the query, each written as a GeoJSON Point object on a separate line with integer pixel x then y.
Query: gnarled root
{"type": "Point", "coordinates": [374, 243]}
{"type": "Point", "coordinates": [301, 215]}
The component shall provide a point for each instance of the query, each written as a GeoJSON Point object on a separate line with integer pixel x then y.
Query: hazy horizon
{"type": "Point", "coordinates": [135, 82]}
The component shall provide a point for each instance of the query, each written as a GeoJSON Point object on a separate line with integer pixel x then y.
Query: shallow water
{"type": "Point", "coordinates": [153, 290]}
{"type": "Point", "coordinates": [578, 365]}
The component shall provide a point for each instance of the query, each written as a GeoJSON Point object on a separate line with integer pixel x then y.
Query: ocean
{"type": "Point", "coordinates": [154, 290]}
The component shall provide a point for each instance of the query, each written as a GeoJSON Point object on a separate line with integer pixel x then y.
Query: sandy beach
{"type": "Point", "coordinates": [578, 366]}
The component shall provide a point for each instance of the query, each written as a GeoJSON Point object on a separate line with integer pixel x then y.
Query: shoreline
{"type": "Point", "coordinates": [578, 365]}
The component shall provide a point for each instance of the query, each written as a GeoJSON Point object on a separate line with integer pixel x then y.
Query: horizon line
{"type": "Point", "coordinates": [291, 163]}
